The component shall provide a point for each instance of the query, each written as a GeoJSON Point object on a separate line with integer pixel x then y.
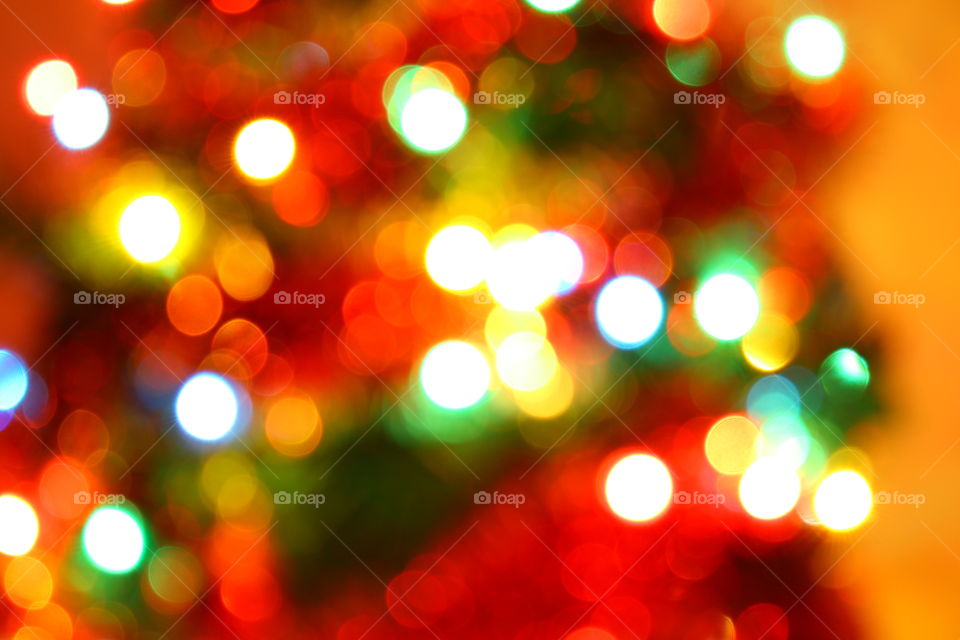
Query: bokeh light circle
{"type": "Point", "coordinates": [458, 257]}
{"type": "Point", "coordinates": [113, 540]}
{"type": "Point", "coordinates": [562, 257]}
{"type": "Point", "coordinates": [638, 487]}
{"type": "Point", "coordinates": [526, 361]}
{"type": "Point", "coordinates": [726, 306]}
{"type": "Point", "coordinates": [19, 526]}
{"type": "Point", "coordinates": [455, 375]}
{"type": "Point", "coordinates": [47, 83]}
{"type": "Point", "coordinates": [628, 311]}
{"type": "Point", "coordinates": [80, 118]}
{"type": "Point", "coordinates": [13, 380]}
{"type": "Point", "coordinates": [843, 500]}
{"type": "Point", "coordinates": [207, 406]}
{"type": "Point", "coordinates": [553, 6]}
{"type": "Point", "coordinates": [149, 228]}
{"type": "Point", "coordinates": [264, 149]}
{"type": "Point", "coordinates": [433, 120]}
{"type": "Point", "coordinates": [769, 489]}
{"type": "Point", "coordinates": [814, 46]}
{"type": "Point", "coordinates": [730, 444]}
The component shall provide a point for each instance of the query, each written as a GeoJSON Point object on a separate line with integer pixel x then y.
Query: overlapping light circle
{"type": "Point", "coordinates": [149, 228]}
{"type": "Point", "coordinates": [264, 149]}
{"type": "Point", "coordinates": [113, 540]}
{"type": "Point", "coordinates": [638, 487]}
{"type": "Point", "coordinates": [769, 489]}
{"type": "Point", "coordinates": [80, 118]}
{"type": "Point", "coordinates": [455, 375]}
{"type": "Point", "coordinates": [843, 500]}
{"type": "Point", "coordinates": [726, 306]}
{"type": "Point", "coordinates": [458, 257]}
{"type": "Point", "coordinates": [433, 120]}
{"type": "Point", "coordinates": [19, 526]}
{"type": "Point", "coordinates": [207, 406]}
{"type": "Point", "coordinates": [629, 311]}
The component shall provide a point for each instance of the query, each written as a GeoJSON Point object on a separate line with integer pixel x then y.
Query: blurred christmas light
{"type": "Point", "coordinates": [772, 342]}
{"type": "Point", "coordinates": [433, 120]}
{"type": "Point", "coordinates": [844, 372]}
{"type": "Point", "coordinates": [526, 361]}
{"type": "Point", "coordinates": [519, 277]}
{"type": "Point", "coordinates": [553, 6]}
{"type": "Point", "coordinates": [562, 258]}
{"type": "Point", "coordinates": [458, 257]}
{"type": "Point", "coordinates": [769, 489]}
{"type": "Point", "coordinates": [629, 311]}
{"type": "Point", "coordinates": [638, 487]}
{"type": "Point", "coordinates": [13, 380]}
{"type": "Point", "coordinates": [80, 118]}
{"type": "Point", "coordinates": [149, 228]}
{"type": "Point", "coordinates": [207, 406]}
{"type": "Point", "coordinates": [47, 83]}
{"type": "Point", "coordinates": [19, 526]}
{"type": "Point", "coordinates": [772, 396]}
{"type": "Point", "coordinates": [730, 444]}
{"type": "Point", "coordinates": [814, 46]}
{"type": "Point", "coordinates": [843, 500]}
{"type": "Point", "coordinates": [682, 19]}
{"type": "Point", "coordinates": [726, 306]}
{"type": "Point", "coordinates": [113, 540]}
{"type": "Point", "coordinates": [455, 375]}
{"type": "Point", "coordinates": [264, 148]}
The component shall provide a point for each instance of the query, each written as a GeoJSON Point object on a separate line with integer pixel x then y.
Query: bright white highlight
{"type": "Point", "coordinates": [47, 83]}
{"type": "Point", "coordinates": [562, 256]}
{"type": "Point", "coordinates": [519, 278]}
{"type": "Point", "coordinates": [726, 306]}
{"type": "Point", "coordinates": [526, 361]}
{"type": "Point", "coordinates": [843, 500]}
{"type": "Point", "coordinates": [629, 310]}
{"type": "Point", "coordinates": [458, 257]}
{"type": "Point", "coordinates": [815, 46]}
{"type": "Point", "coordinates": [433, 120]}
{"type": "Point", "coordinates": [80, 118]}
{"type": "Point", "coordinates": [455, 375]}
{"type": "Point", "coordinates": [207, 406]}
{"type": "Point", "coordinates": [769, 489]}
{"type": "Point", "coordinates": [19, 526]}
{"type": "Point", "coordinates": [264, 149]}
{"type": "Point", "coordinates": [113, 540]}
{"type": "Point", "coordinates": [149, 228]}
{"type": "Point", "coordinates": [553, 6]}
{"type": "Point", "coordinates": [638, 487]}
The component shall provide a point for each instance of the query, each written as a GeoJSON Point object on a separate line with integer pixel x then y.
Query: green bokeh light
{"type": "Point", "coordinates": [693, 64]}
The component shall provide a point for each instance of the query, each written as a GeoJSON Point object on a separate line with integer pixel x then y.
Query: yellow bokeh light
{"type": "Point", "coordinates": [843, 500]}
{"type": "Point", "coordinates": [293, 425]}
{"type": "Point", "coordinates": [28, 582]}
{"type": "Point", "coordinates": [769, 489]}
{"type": "Point", "coordinates": [149, 228]}
{"type": "Point", "coordinates": [264, 149]}
{"type": "Point", "coordinates": [526, 361]}
{"type": "Point", "coordinates": [730, 444]}
{"type": "Point", "coordinates": [771, 344]}
{"type": "Point", "coordinates": [244, 265]}
{"type": "Point", "coordinates": [47, 83]}
{"type": "Point", "coordinates": [519, 278]}
{"type": "Point", "coordinates": [639, 487]}
{"type": "Point", "coordinates": [458, 257]}
{"type": "Point", "coordinates": [551, 399]}
{"type": "Point", "coordinates": [502, 322]}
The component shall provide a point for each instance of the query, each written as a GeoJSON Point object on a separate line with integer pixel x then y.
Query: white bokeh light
{"type": "Point", "coordinates": [458, 257]}
{"type": "Point", "coordinates": [80, 118]}
{"type": "Point", "coordinates": [726, 306]}
{"type": "Point", "coordinates": [629, 311]}
{"type": "Point", "coordinates": [149, 228]}
{"type": "Point", "coordinates": [553, 6]}
{"type": "Point", "coordinates": [562, 257]}
{"type": "Point", "coordinates": [207, 406]}
{"type": "Point", "coordinates": [433, 120]}
{"type": "Point", "coordinates": [639, 487]}
{"type": "Point", "coordinates": [815, 46]}
{"type": "Point", "coordinates": [264, 149]}
{"type": "Point", "coordinates": [519, 278]}
{"type": "Point", "coordinates": [843, 500]}
{"type": "Point", "coordinates": [19, 526]}
{"type": "Point", "coordinates": [455, 375]}
{"type": "Point", "coordinates": [47, 83]}
{"type": "Point", "coordinates": [769, 489]}
{"type": "Point", "coordinates": [113, 540]}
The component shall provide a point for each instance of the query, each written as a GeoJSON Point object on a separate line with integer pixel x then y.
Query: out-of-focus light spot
{"type": "Point", "coordinates": [731, 443]}
{"type": "Point", "coordinates": [682, 19]}
{"type": "Point", "coordinates": [769, 489]}
{"type": "Point", "coordinates": [139, 77]}
{"type": "Point", "coordinates": [553, 6]}
{"type": "Point", "coordinates": [726, 306]}
{"type": "Point", "coordinates": [244, 265]}
{"type": "Point", "coordinates": [47, 83]}
{"type": "Point", "coordinates": [502, 322]}
{"type": "Point", "coordinates": [13, 380]}
{"type": "Point", "coordinates": [28, 582]}
{"type": "Point", "coordinates": [772, 343]}
{"type": "Point", "coordinates": [519, 278]}
{"type": "Point", "coordinates": [458, 257]}
{"type": "Point", "coordinates": [843, 500]}
{"type": "Point", "coordinates": [19, 528]}
{"type": "Point", "coordinates": [80, 118]}
{"type": "Point", "coordinates": [814, 46]}
{"type": "Point", "coordinates": [785, 438]}
{"type": "Point", "coordinates": [194, 305]}
{"type": "Point", "coordinates": [844, 372]}
{"type": "Point", "coordinates": [551, 399]}
{"type": "Point", "coordinates": [772, 396]}
{"type": "Point", "coordinates": [149, 228]}
{"type": "Point", "coordinates": [433, 120]}
{"type": "Point", "coordinates": [175, 575]}
{"type": "Point", "coordinates": [207, 406]}
{"type": "Point", "coordinates": [638, 487]}
{"type": "Point", "coordinates": [117, 1]}
{"type": "Point", "coordinates": [526, 361]}
{"type": "Point", "coordinates": [562, 258]}
{"type": "Point", "coordinates": [455, 375]}
{"type": "Point", "coordinates": [628, 310]}
{"type": "Point", "coordinates": [113, 540]}
{"type": "Point", "coordinates": [694, 64]}
{"type": "Point", "coordinates": [293, 425]}
{"type": "Point", "coordinates": [264, 149]}
{"type": "Point", "coordinates": [235, 6]}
